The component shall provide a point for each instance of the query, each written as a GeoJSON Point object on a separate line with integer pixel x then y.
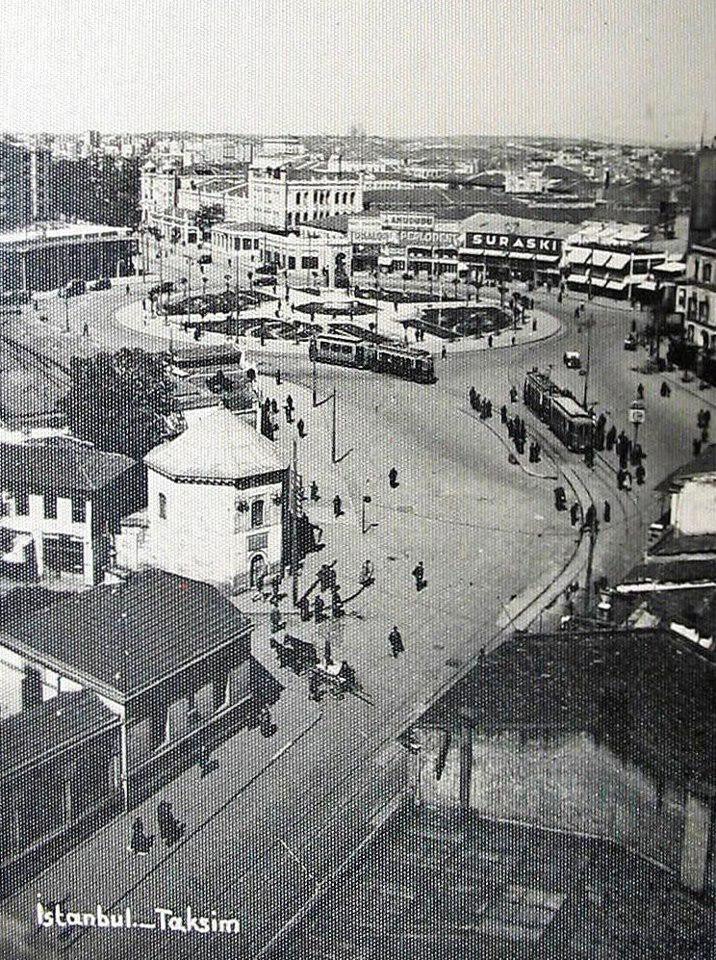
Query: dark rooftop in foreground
{"type": "Point", "coordinates": [37, 733]}
{"type": "Point", "coordinates": [650, 699]}
{"type": "Point", "coordinates": [125, 636]}
{"type": "Point", "coordinates": [704, 463]}
{"type": "Point", "coordinates": [59, 464]}
{"type": "Point", "coordinates": [442, 885]}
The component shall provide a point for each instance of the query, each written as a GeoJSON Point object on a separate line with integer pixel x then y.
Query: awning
{"type": "Point", "coordinates": [617, 261]}
{"type": "Point", "coordinates": [647, 285]}
{"type": "Point", "coordinates": [600, 258]}
{"type": "Point", "coordinates": [670, 267]}
{"type": "Point", "coordinates": [17, 552]}
{"type": "Point", "coordinates": [598, 282]}
{"type": "Point", "coordinates": [579, 255]}
{"type": "Point", "coordinates": [548, 257]}
{"type": "Point", "coordinates": [616, 284]}
{"type": "Point", "coordinates": [576, 278]}
{"type": "Point", "coordinates": [520, 255]}
{"type": "Point", "coordinates": [500, 254]}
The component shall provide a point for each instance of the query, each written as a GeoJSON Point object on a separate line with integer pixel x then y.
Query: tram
{"type": "Point", "coordinates": [353, 351]}
{"type": "Point", "coordinates": [566, 418]}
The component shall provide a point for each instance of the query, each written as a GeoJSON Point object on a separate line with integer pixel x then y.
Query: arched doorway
{"type": "Point", "coordinates": [257, 570]}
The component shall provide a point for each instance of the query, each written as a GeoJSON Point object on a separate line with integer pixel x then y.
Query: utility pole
{"type": "Point", "coordinates": [333, 429]}
{"type": "Point", "coordinates": [588, 323]}
{"type": "Point", "coordinates": [593, 530]}
{"type": "Point", "coordinates": [313, 381]}
{"type": "Point", "coordinates": [294, 523]}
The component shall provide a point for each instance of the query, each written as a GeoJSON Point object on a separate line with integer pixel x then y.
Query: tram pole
{"type": "Point", "coordinates": [294, 523]}
{"type": "Point", "coordinates": [313, 381]}
{"type": "Point", "coordinates": [593, 528]}
{"type": "Point", "coordinates": [333, 429]}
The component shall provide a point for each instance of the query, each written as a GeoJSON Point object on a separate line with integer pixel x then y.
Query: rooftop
{"type": "Point", "coordinates": [674, 544]}
{"type": "Point", "coordinates": [216, 446]}
{"type": "Point", "coordinates": [120, 638]}
{"type": "Point", "coordinates": [59, 465]}
{"type": "Point", "coordinates": [38, 232]}
{"type": "Point", "coordinates": [37, 733]}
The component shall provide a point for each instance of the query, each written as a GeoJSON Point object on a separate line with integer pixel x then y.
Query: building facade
{"type": "Point", "coordinates": [286, 197]}
{"type": "Point", "coordinates": [696, 295]}
{"type": "Point", "coordinates": [47, 256]}
{"type": "Point", "coordinates": [306, 254]}
{"type": "Point", "coordinates": [62, 500]}
{"type": "Point", "coordinates": [216, 502]}
{"type": "Point", "coordinates": [25, 193]}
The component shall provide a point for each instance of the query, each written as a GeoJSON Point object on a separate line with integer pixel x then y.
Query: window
{"type": "Point", "coordinates": [259, 541]}
{"type": "Point", "coordinates": [247, 243]}
{"type": "Point", "coordinates": [79, 510]}
{"type": "Point", "coordinates": [22, 504]}
{"type": "Point", "coordinates": [707, 273]}
{"type": "Point", "coordinates": [309, 263]}
{"type": "Point", "coordinates": [298, 199]}
{"type": "Point", "coordinates": [256, 243]}
{"type": "Point", "coordinates": [50, 500]}
{"type": "Point", "coordinates": [291, 263]}
{"type": "Point", "coordinates": [162, 506]}
{"type": "Point", "coordinates": [257, 513]}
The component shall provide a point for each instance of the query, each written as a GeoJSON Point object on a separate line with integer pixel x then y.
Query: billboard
{"type": "Point", "coordinates": [407, 221]}
{"type": "Point", "coordinates": [514, 242]}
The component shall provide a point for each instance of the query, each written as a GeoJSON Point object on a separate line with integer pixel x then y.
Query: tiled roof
{"type": "Point", "coordinates": [59, 464]}
{"type": "Point", "coordinates": [124, 637]}
{"type": "Point", "coordinates": [216, 446]}
{"type": "Point", "coordinates": [50, 726]}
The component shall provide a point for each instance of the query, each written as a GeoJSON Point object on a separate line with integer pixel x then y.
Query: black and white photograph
{"type": "Point", "coordinates": [357, 483]}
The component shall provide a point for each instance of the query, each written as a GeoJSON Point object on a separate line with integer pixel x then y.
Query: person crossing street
{"type": "Point", "coordinates": [396, 642]}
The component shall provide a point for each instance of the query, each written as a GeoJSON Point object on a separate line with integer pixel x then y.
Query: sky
{"type": "Point", "coordinates": [625, 70]}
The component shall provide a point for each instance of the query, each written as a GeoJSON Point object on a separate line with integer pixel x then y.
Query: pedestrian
{"type": "Point", "coordinates": [607, 511]}
{"type": "Point", "coordinates": [640, 474]}
{"type": "Point", "coordinates": [489, 340]}
{"type": "Point", "coordinates": [140, 843]}
{"type": "Point", "coordinates": [510, 428]}
{"type": "Point", "coordinates": [705, 435]}
{"type": "Point", "coordinates": [534, 326]}
{"type": "Point", "coordinates": [513, 394]}
{"type": "Point", "coordinates": [314, 492]}
{"type": "Point", "coordinates": [513, 341]}
{"type": "Point", "coordinates": [396, 642]}
{"type": "Point", "coordinates": [301, 427]}
{"type": "Point", "coordinates": [503, 413]}
{"type": "Point", "coordinates": [337, 506]}
{"type": "Point", "coordinates": [393, 478]}
{"type": "Point", "coordinates": [126, 290]}
{"type": "Point", "coordinates": [538, 451]}
{"type": "Point", "coordinates": [560, 500]}
{"type": "Point", "coordinates": [443, 351]}
{"type": "Point", "coordinates": [278, 378]}
{"type": "Point", "coordinates": [574, 514]}
{"type": "Point", "coordinates": [707, 418]}
{"type": "Point", "coordinates": [289, 414]}
{"type": "Point", "coordinates": [626, 482]}
{"type": "Point", "coordinates": [395, 306]}
{"type": "Point", "coordinates": [419, 575]}
{"type": "Point", "coordinates": [472, 394]}
{"type": "Point", "coordinates": [85, 329]}
{"type": "Point", "coordinates": [304, 609]}
{"type": "Point", "coordinates": [696, 447]}
{"type": "Point", "coordinates": [488, 410]}
{"type": "Point", "coordinates": [591, 516]}
{"type": "Point", "coordinates": [640, 391]}
{"type": "Point", "coordinates": [366, 574]}
{"type": "Point", "coordinates": [274, 405]}
{"type": "Point", "coordinates": [620, 479]}
{"type": "Point", "coordinates": [318, 607]}
{"type": "Point", "coordinates": [336, 602]}
{"type": "Point", "coordinates": [170, 830]}
{"type": "Point", "coordinates": [611, 437]}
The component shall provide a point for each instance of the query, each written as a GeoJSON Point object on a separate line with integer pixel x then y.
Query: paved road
{"type": "Point", "coordinates": [485, 530]}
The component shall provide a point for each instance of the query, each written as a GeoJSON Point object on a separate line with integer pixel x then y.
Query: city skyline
{"type": "Point", "coordinates": [636, 73]}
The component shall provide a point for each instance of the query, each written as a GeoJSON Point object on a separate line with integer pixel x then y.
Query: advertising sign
{"type": "Point", "coordinates": [514, 242]}
{"type": "Point", "coordinates": [408, 221]}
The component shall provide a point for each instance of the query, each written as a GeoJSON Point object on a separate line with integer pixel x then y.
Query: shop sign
{"type": "Point", "coordinates": [408, 221]}
{"type": "Point", "coordinates": [513, 241]}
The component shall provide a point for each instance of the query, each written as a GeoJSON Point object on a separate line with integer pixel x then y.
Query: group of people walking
{"type": "Point", "coordinates": [170, 830]}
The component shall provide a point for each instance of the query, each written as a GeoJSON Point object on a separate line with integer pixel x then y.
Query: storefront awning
{"type": "Point", "coordinates": [648, 285]}
{"type": "Point", "coordinates": [548, 257]}
{"type": "Point", "coordinates": [579, 255]}
{"type": "Point", "coordinates": [600, 258]}
{"type": "Point", "coordinates": [521, 255]}
{"type": "Point", "coordinates": [617, 261]}
{"type": "Point", "coordinates": [598, 282]}
{"type": "Point", "coordinates": [670, 267]}
{"type": "Point", "coordinates": [17, 552]}
{"type": "Point", "coordinates": [576, 278]}
{"type": "Point", "coordinates": [616, 284]}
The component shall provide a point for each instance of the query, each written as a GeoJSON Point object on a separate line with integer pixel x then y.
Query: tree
{"type": "Point", "coordinates": [120, 402]}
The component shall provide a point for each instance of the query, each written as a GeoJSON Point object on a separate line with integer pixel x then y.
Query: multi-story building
{"type": "Point", "coordinates": [24, 184]}
{"type": "Point", "coordinates": [216, 496]}
{"type": "Point", "coordinates": [285, 197]}
{"type": "Point", "coordinates": [61, 502]}
{"type": "Point", "coordinates": [696, 294]}
{"type": "Point", "coordinates": [702, 223]}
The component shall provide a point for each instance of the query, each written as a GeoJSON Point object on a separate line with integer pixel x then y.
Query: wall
{"type": "Point", "coordinates": [565, 782]}
{"type": "Point", "coordinates": [199, 538]}
{"type": "Point", "coordinates": [693, 509]}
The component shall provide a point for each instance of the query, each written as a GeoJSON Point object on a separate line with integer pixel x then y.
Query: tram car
{"type": "Point", "coordinates": [566, 418]}
{"type": "Point", "coordinates": [353, 351]}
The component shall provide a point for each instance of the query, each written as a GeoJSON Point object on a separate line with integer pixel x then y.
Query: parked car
{"type": "Point", "coordinates": [269, 268]}
{"type": "Point", "coordinates": [205, 258]}
{"type": "Point", "coordinates": [572, 359]}
{"type": "Point", "coordinates": [72, 289]}
{"type": "Point", "coordinates": [104, 283]}
{"type": "Point", "coordinates": [264, 281]}
{"type": "Point", "coordinates": [631, 342]}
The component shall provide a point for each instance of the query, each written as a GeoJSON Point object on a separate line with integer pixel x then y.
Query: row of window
{"type": "Point", "coordinates": [22, 507]}
{"type": "Point", "coordinates": [257, 512]}
{"type": "Point", "coordinates": [324, 196]}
